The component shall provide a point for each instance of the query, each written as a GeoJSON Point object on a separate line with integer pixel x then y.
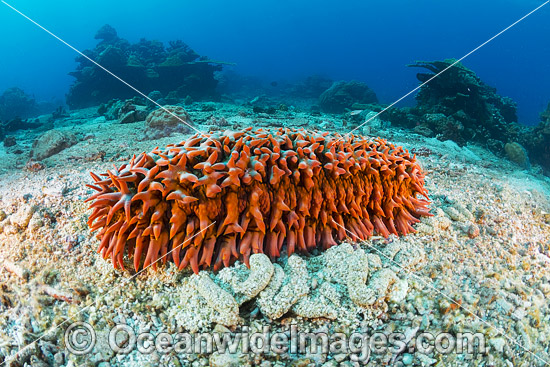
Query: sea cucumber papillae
{"type": "Point", "coordinates": [222, 196]}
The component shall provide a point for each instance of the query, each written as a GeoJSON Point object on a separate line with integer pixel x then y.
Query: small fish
{"type": "Point", "coordinates": [355, 112]}
{"type": "Point", "coordinates": [274, 84]}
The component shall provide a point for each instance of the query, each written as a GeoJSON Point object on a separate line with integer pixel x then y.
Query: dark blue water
{"type": "Point", "coordinates": [287, 40]}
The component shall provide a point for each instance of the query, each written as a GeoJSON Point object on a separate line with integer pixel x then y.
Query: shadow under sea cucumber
{"type": "Point", "coordinates": [222, 196]}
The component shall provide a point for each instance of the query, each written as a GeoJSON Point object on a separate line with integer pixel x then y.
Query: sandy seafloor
{"type": "Point", "coordinates": [480, 265]}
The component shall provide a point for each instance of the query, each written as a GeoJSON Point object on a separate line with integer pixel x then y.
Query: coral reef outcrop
{"type": "Point", "coordinates": [146, 65]}
{"type": "Point", "coordinates": [537, 142]}
{"type": "Point", "coordinates": [545, 115]}
{"type": "Point", "coordinates": [223, 196]}
{"type": "Point", "coordinates": [459, 106]}
{"type": "Point", "coordinates": [15, 103]}
{"type": "Point", "coordinates": [342, 95]}
{"type": "Point", "coordinates": [130, 112]}
{"type": "Point", "coordinates": [168, 120]}
{"type": "Point", "coordinates": [18, 124]}
{"type": "Point", "coordinates": [311, 87]}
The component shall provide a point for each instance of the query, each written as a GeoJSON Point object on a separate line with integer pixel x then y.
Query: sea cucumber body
{"type": "Point", "coordinates": [222, 196]}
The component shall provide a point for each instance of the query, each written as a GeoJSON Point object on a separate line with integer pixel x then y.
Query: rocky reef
{"type": "Point", "coordinates": [538, 141]}
{"type": "Point", "coordinates": [545, 116]}
{"type": "Point", "coordinates": [20, 111]}
{"type": "Point", "coordinates": [311, 87]}
{"type": "Point", "coordinates": [147, 65]}
{"type": "Point", "coordinates": [15, 103]}
{"type": "Point", "coordinates": [343, 95]}
{"type": "Point", "coordinates": [459, 106]}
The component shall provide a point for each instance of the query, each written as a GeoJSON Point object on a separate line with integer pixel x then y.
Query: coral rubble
{"type": "Point", "coordinates": [147, 65]}
{"type": "Point", "coordinates": [222, 196]}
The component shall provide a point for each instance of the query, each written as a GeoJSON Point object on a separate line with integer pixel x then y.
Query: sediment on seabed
{"type": "Point", "coordinates": [480, 262]}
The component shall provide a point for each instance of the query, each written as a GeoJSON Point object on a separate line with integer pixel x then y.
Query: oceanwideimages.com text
{"type": "Point", "coordinates": [80, 339]}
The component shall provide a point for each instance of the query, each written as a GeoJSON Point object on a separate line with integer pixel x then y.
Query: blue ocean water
{"type": "Point", "coordinates": [370, 41]}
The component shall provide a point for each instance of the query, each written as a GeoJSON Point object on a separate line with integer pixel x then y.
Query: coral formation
{"type": "Point", "coordinates": [14, 102]}
{"type": "Point", "coordinates": [342, 95]}
{"type": "Point", "coordinates": [222, 196]}
{"type": "Point", "coordinates": [106, 34]}
{"type": "Point", "coordinates": [311, 87]}
{"type": "Point", "coordinates": [537, 141]}
{"type": "Point", "coordinates": [146, 65]}
{"type": "Point", "coordinates": [540, 145]}
{"type": "Point", "coordinates": [168, 120]}
{"type": "Point", "coordinates": [18, 124]}
{"type": "Point", "coordinates": [467, 108]}
{"type": "Point", "coordinates": [459, 106]}
{"type": "Point", "coordinates": [545, 116]}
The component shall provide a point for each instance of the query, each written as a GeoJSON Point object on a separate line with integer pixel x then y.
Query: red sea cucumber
{"type": "Point", "coordinates": [264, 190]}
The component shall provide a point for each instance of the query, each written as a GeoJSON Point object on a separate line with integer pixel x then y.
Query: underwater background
{"type": "Point", "coordinates": [286, 41]}
{"type": "Point", "coordinates": [325, 166]}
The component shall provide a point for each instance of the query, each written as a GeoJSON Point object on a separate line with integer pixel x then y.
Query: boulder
{"type": "Point", "coordinates": [168, 116]}
{"type": "Point", "coordinates": [517, 154]}
{"type": "Point", "coordinates": [50, 143]}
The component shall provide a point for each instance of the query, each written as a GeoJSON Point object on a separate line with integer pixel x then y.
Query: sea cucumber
{"type": "Point", "coordinates": [222, 196]}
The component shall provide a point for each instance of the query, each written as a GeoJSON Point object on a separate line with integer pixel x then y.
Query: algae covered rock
{"type": "Point", "coordinates": [517, 154]}
{"type": "Point", "coordinates": [445, 128]}
{"type": "Point", "coordinates": [52, 142]}
{"type": "Point", "coordinates": [131, 112]}
{"type": "Point", "coordinates": [168, 116]}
